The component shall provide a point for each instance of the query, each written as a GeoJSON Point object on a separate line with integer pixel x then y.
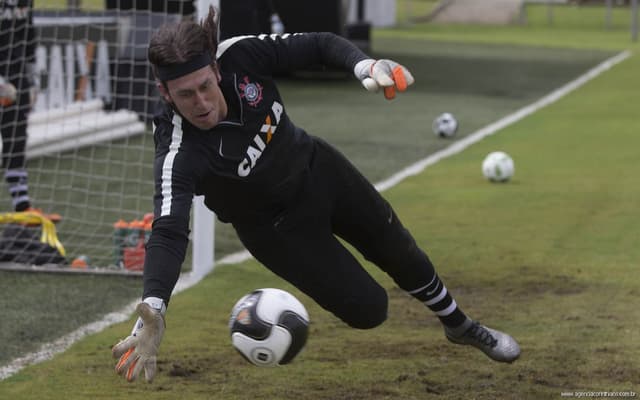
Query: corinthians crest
{"type": "Point", "coordinates": [250, 91]}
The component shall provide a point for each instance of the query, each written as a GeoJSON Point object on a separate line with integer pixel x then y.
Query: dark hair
{"type": "Point", "coordinates": [177, 43]}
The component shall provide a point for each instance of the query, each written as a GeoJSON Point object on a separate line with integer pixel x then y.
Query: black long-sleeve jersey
{"type": "Point", "coordinates": [251, 164]}
{"type": "Point", "coordinates": [17, 39]}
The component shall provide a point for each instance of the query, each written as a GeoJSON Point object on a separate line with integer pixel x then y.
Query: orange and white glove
{"type": "Point", "coordinates": [140, 349]}
{"type": "Point", "coordinates": [386, 74]}
{"type": "Point", "coordinates": [8, 92]}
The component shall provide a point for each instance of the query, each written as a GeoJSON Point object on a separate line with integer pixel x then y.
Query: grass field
{"type": "Point", "coordinates": [478, 83]}
{"type": "Point", "coordinates": [551, 257]}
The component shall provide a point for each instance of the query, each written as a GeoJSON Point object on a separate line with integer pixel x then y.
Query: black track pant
{"type": "Point", "coordinates": [13, 126]}
{"type": "Point", "coordinates": [299, 244]}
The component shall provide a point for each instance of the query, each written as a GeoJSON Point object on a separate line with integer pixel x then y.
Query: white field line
{"type": "Point", "coordinates": [48, 350]}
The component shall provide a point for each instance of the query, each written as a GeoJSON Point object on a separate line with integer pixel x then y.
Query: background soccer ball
{"type": "Point", "coordinates": [445, 125]}
{"type": "Point", "coordinates": [269, 327]}
{"type": "Point", "coordinates": [498, 166]}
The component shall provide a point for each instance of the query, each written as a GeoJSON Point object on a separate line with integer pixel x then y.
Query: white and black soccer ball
{"type": "Point", "coordinates": [498, 166]}
{"type": "Point", "coordinates": [445, 125]}
{"type": "Point", "coordinates": [269, 327]}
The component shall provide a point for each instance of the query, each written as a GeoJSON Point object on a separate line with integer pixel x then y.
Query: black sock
{"type": "Point", "coordinates": [435, 296]}
{"type": "Point", "coordinates": [18, 188]}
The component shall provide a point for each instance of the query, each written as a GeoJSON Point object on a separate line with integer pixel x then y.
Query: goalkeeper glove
{"type": "Point", "coordinates": [8, 92]}
{"type": "Point", "coordinates": [139, 350]}
{"type": "Point", "coordinates": [383, 73]}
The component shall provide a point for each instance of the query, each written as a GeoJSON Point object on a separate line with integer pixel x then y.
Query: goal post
{"type": "Point", "coordinates": [90, 145]}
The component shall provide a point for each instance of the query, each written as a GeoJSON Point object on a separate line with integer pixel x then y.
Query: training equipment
{"type": "Point", "coordinates": [80, 262]}
{"type": "Point", "coordinates": [269, 327]}
{"type": "Point", "coordinates": [139, 350]}
{"type": "Point", "coordinates": [445, 125]}
{"type": "Point", "coordinates": [498, 167]}
{"type": "Point", "coordinates": [386, 74]}
{"type": "Point", "coordinates": [497, 345]}
{"type": "Point", "coordinates": [33, 218]}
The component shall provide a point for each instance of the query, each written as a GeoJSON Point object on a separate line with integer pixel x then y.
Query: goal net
{"type": "Point", "coordinates": [90, 144]}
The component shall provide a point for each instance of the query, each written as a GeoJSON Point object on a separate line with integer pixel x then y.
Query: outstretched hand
{"type": "Point", "coordinates": [139, 350]}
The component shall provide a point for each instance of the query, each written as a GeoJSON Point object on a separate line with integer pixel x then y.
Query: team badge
{"type": "Point", "coordinates": [250, 91]}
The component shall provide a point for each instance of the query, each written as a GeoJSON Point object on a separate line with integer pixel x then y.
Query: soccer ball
{"type": "Point", "coordinates": [445, 125]}
{"type": "Point", "coordinates": [498, 167]}
{"type": "Point", "coordinates": [269, 327]}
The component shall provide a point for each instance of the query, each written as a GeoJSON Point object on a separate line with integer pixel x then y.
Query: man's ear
{"type": "Point", "coordinates": [163, 91]}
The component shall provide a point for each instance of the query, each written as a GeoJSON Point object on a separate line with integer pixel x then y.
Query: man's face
{"type": "Point", "coordinates": [197, 97]}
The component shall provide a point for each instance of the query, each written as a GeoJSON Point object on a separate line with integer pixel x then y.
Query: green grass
{"type": "Point", "coordinates": [407, 10]}
{"type": "Point", "coordinates": [478, 83]}
{"type": "Point", "coordinates": [572, 27]}
{"type": "Point", "coordinates": [551, 256]}
{"type": "Point", "coordinates": [38, 308]}
{"type": "Point", "coordinates": [85, 5]}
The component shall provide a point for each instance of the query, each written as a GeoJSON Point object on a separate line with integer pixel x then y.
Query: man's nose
{"type": "Point", "coordinates": [199, 98]}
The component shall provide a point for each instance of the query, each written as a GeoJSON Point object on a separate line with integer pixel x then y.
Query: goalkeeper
{"type": "Point", "coordinates": [224, 133]}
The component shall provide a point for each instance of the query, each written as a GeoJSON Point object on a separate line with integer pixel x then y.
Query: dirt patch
{"type": "Point", "coordinates": [529, 281]}
{"type": "Point", "coordinates": [183, 370]}
{"type": "Point", "coordinates": [620, 373]}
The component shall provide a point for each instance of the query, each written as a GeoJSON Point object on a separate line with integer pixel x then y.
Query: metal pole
{"type": "Point", "coordinates": [550, 12]}
{"type": "Point", "coordinates": [607, 15]}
